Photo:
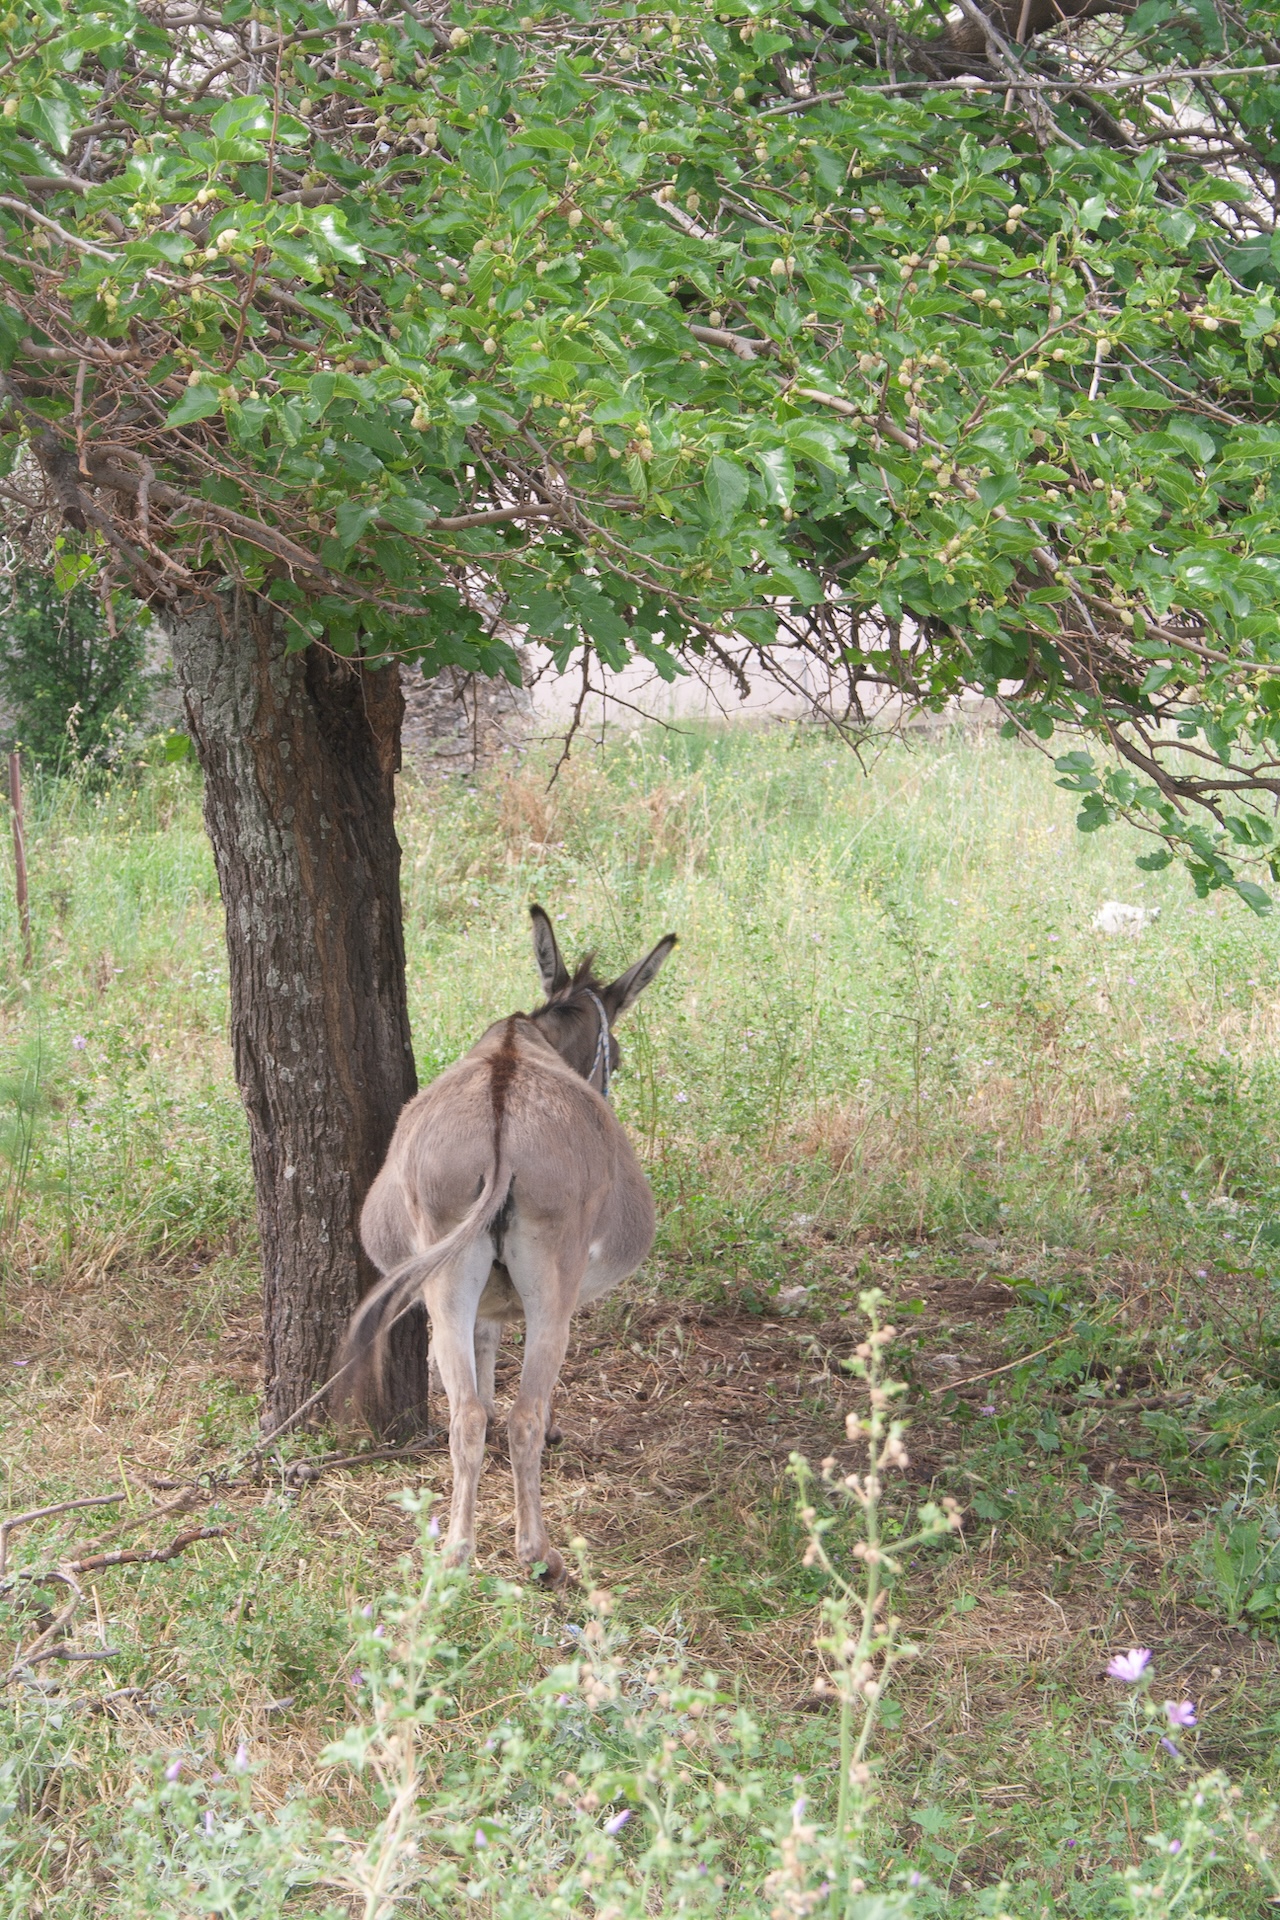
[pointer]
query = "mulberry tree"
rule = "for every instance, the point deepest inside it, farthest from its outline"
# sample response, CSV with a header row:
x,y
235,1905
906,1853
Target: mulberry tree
x,y
920,351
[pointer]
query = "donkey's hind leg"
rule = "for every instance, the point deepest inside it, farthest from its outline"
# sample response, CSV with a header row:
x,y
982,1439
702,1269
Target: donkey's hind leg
x,y
452,1298
547,1311
488,1338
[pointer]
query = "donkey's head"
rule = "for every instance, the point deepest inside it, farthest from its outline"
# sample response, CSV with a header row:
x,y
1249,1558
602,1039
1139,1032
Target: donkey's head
x,y
580,1011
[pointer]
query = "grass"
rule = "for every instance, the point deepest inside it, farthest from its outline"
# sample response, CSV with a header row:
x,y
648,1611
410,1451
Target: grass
x,y
889,1050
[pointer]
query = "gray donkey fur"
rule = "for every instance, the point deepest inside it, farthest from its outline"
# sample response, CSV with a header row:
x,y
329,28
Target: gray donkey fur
x,y
509,1191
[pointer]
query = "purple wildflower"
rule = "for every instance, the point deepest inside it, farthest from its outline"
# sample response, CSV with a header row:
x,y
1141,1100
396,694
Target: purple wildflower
x,y
79,1043
482,1839
1180,1713
172,1771
208,1819
915,1879
617,1821
1169,1747
241,1762
357,1677
1175,1846
989,1408
366,1612
1129,1667
433,1528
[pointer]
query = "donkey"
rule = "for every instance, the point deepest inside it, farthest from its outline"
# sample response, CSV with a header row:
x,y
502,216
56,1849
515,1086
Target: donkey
x,y
509,1192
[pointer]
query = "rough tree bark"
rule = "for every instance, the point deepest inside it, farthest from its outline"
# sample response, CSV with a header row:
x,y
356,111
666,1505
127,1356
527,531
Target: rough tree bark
x,y
963,46
299,753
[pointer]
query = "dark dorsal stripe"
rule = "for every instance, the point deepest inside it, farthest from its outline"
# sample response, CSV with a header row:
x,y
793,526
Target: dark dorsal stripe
x,y
501,1074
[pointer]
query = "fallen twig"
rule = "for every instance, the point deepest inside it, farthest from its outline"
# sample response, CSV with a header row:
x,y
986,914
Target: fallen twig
x,y
61,1652
146,1556
101,1702
186,1499
44,1513
954,1386
300,1472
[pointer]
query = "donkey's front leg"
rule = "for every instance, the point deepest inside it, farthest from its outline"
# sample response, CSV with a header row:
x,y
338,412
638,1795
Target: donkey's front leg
x,y
545,1338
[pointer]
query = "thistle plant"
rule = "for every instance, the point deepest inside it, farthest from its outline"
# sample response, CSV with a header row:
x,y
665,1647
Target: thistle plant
x,y
1174,1880
1140,1714
861,1637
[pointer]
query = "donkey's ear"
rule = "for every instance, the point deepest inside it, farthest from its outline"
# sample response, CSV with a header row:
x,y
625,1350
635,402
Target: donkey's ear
x,y
555,974
628,986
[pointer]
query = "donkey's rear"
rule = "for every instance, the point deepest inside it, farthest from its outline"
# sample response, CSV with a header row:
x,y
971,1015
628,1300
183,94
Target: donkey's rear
x,y
510,1191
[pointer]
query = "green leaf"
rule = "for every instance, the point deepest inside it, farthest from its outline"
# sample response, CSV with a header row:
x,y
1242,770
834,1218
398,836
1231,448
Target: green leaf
x,y
407,516
1149,399
329,227
1254,896
726,486
251,113
1093,814
50,119
629,289
777,470
351,519
1191,438
69,569
1000,487
197,403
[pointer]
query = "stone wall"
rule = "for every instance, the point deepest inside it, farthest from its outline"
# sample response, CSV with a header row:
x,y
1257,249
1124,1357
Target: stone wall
x,y
458,723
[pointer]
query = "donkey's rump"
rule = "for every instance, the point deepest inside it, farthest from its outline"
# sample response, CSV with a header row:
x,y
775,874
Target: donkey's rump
x,y
559,1147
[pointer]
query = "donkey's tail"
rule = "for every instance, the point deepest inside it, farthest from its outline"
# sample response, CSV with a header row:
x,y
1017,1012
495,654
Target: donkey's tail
x,y
363,1361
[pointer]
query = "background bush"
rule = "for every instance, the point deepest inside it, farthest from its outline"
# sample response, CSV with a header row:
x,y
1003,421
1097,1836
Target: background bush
x,y
71,685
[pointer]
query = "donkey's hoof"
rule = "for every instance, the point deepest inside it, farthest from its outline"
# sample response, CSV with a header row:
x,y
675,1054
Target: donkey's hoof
x,y
554,1436
459,1554
554,1571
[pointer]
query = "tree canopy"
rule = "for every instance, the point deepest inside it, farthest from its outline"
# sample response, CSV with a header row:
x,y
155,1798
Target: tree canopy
x,y
940,349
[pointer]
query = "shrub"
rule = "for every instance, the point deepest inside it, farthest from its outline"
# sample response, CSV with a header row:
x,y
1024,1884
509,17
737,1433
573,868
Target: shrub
x,y
72,680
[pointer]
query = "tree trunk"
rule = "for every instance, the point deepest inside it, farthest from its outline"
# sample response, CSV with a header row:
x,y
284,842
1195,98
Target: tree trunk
x,y
300,753
1018,21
